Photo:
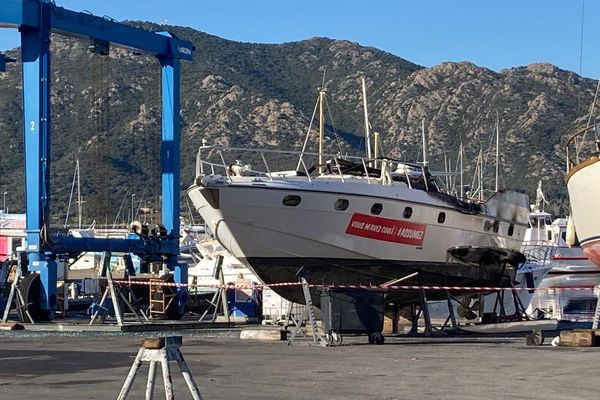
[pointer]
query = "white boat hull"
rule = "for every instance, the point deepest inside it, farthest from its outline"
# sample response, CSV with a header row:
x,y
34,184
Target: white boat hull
x,y
584,192
353,246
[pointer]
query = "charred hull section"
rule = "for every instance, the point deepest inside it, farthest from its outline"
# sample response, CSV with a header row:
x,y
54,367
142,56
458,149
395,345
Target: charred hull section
x,y
377,272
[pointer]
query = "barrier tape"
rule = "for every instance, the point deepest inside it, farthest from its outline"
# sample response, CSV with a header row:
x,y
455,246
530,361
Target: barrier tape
x,y
259,286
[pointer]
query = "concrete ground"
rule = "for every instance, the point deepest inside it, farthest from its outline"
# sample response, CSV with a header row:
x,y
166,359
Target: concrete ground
x,y
94,367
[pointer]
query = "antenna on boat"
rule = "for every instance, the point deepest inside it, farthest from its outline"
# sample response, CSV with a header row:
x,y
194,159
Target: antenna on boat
x,y
312,118
425,160
367,135
321,128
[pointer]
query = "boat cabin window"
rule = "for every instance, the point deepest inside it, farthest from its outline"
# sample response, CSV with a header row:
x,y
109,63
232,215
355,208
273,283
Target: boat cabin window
x,y
407,212
540,222
441,217
341,204
563,236
511,229
549,235
291,200
496,226
376,208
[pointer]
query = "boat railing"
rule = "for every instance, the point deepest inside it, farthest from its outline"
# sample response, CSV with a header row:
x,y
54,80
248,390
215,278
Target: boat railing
x,y
575,145
537,252
227,161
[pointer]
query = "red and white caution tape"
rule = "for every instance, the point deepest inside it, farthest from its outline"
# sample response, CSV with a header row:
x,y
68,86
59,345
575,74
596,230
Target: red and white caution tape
x,y
343,286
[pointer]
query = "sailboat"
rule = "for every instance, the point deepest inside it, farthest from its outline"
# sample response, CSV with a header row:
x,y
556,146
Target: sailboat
x,y
354,220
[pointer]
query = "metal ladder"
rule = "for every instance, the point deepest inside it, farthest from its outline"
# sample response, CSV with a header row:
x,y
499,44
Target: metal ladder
x,y
308,314
597,312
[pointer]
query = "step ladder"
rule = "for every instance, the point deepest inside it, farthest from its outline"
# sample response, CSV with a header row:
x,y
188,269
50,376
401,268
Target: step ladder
x,y
160,300
308,316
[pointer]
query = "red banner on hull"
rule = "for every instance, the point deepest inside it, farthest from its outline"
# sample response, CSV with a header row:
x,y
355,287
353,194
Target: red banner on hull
x,y
389,230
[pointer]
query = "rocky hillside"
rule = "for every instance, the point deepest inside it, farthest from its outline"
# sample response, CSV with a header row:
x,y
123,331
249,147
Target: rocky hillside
x,y
106,112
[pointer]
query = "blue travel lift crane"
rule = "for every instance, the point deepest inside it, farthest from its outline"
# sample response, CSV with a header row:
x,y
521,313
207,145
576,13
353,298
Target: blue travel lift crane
x,y
36,20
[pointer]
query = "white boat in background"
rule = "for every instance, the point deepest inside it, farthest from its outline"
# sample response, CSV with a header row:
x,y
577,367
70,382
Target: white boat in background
x,y
543,231
582,177
203,274
570,297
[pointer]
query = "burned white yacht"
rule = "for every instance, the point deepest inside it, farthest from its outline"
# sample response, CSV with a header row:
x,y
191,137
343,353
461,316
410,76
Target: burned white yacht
x,y
354,220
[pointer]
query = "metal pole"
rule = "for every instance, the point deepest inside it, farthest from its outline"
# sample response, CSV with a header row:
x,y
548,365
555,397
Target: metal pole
x,y
425,160
367,135
4,204
132,208
497,149
321,130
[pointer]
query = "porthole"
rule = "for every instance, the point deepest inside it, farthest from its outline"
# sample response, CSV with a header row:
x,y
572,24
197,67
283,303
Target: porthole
x,y
496,226
291,200
441,217
487,226
511,229
341,204
407,212
376,208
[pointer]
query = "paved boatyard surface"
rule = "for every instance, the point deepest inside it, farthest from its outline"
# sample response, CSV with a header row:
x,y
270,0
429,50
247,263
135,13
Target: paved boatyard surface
x,y
85,366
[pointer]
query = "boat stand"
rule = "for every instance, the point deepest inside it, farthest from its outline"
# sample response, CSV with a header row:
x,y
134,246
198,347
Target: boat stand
x,y
520,313
219,299
423,310
451,315
114,293
15,293
308,315
160,350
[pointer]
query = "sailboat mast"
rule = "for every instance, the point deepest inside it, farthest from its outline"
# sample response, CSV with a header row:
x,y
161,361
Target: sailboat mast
x,y
497,150
425,160
462,187
367,135
79,206
480,174
321,129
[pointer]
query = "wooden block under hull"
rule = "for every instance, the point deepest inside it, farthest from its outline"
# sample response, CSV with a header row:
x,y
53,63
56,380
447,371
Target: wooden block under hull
x,y
579,338
263,334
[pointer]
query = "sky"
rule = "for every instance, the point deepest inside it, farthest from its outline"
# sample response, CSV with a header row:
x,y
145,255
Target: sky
x,y
494,34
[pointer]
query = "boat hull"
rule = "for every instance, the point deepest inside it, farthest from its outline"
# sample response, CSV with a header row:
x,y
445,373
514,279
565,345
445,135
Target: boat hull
x,y
354,246
582,185
321,271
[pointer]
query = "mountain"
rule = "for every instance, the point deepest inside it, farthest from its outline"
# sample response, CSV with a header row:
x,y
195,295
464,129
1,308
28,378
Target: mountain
x,y
106,112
